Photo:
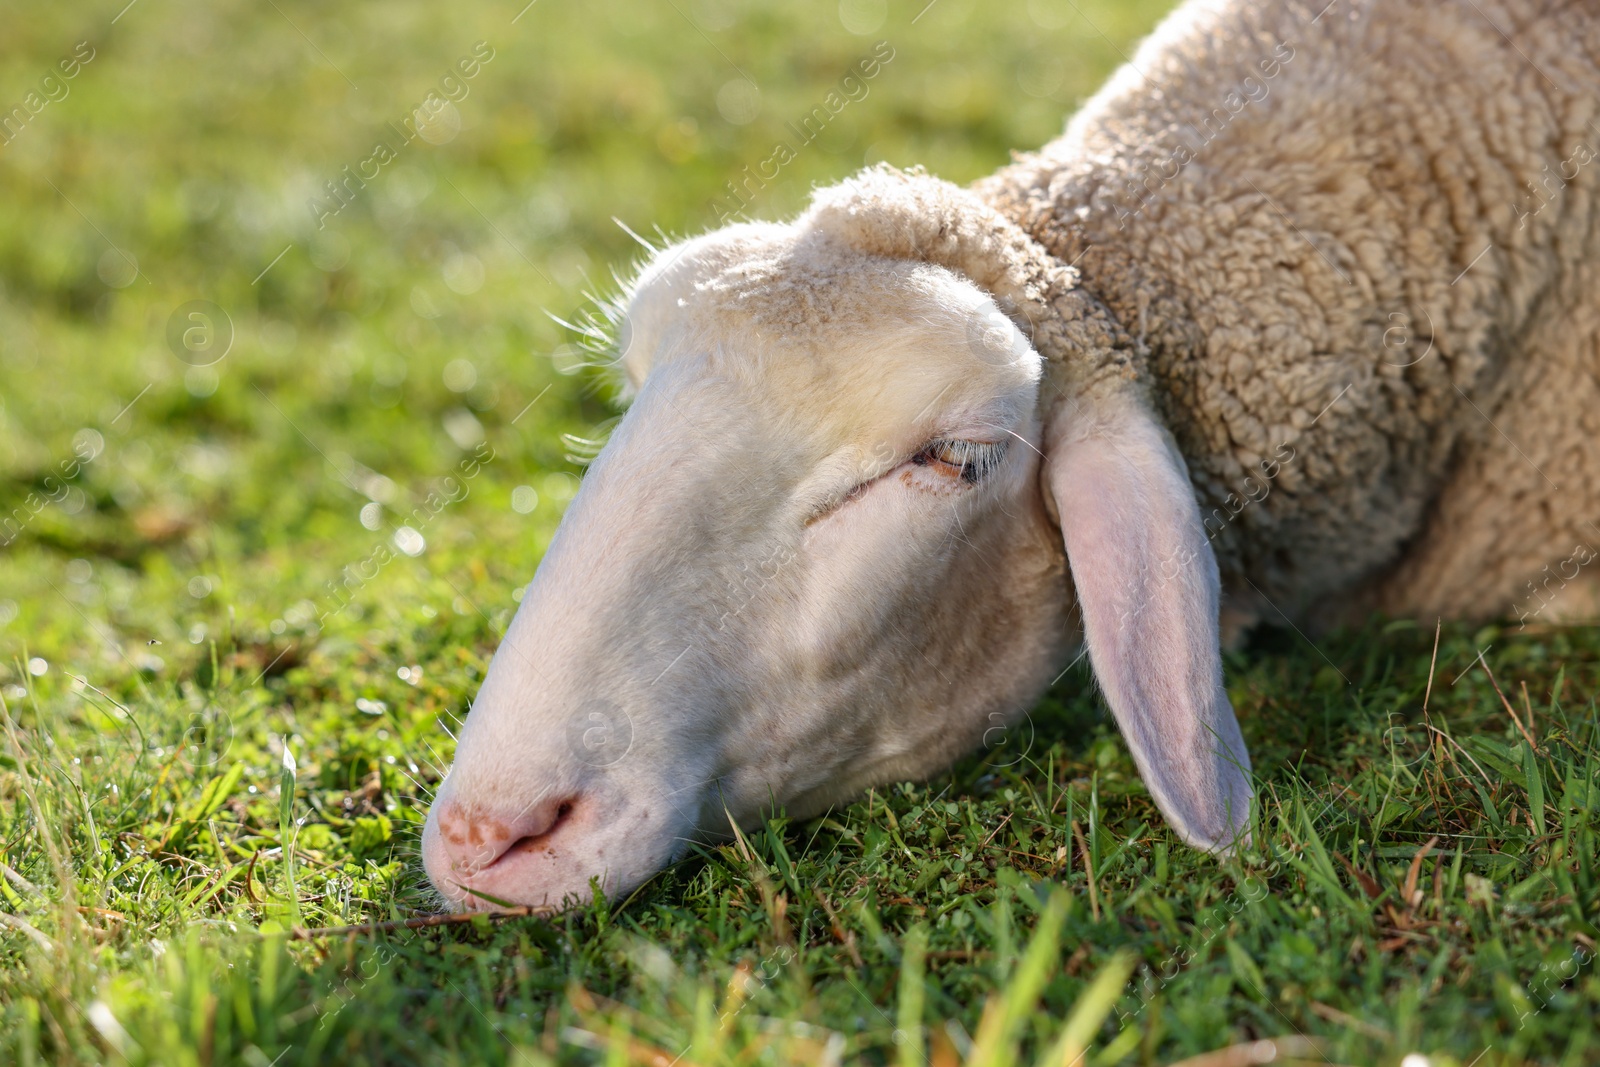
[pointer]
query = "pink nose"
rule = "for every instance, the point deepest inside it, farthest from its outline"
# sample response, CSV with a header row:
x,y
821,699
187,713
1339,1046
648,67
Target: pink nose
x,y
474,841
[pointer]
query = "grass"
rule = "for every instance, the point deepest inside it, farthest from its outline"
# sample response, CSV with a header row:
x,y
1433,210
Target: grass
x,y
223,719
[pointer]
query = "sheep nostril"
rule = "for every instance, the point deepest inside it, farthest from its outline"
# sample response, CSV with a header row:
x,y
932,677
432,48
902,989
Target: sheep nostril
x,y
540,841
472,839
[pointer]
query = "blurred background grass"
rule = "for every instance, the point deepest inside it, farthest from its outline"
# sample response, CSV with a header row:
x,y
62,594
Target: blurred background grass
x,y
204,590
183,164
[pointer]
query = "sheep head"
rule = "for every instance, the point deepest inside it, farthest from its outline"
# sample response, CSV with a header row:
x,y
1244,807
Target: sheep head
x,y
826,548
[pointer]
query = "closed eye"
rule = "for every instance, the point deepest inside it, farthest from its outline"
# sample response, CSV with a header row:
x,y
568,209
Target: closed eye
x,y
947,459
971,461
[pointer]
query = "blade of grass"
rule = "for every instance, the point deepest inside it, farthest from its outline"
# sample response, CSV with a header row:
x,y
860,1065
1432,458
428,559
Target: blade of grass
x,y
908,1032
1089,1012
1006,1011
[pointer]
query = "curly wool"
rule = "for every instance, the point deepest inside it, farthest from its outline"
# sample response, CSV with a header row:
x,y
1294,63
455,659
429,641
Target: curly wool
x,y
1375,339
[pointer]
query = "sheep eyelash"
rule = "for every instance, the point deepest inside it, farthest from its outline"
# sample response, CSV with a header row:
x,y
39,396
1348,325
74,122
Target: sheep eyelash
x,y
975,460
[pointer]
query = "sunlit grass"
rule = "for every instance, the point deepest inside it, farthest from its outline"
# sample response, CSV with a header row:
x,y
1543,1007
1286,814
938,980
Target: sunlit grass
x,y
198,606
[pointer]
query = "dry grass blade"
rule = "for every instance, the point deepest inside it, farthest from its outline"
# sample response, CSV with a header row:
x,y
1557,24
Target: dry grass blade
x,y
1369,885
1088,870
1507,704
1433,662
845,937
601,1035
301,933
1273,1050
27,928
1350,1022
1410,894
1481,772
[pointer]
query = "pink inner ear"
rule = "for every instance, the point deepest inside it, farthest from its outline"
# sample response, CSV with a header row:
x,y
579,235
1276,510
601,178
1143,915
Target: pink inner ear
x,y
1147,588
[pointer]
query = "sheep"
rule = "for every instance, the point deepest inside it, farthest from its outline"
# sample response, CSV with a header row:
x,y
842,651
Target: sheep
x,y
1296,322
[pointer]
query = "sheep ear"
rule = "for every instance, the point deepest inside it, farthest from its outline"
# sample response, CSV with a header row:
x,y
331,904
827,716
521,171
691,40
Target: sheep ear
x,y
1148,592
1146,579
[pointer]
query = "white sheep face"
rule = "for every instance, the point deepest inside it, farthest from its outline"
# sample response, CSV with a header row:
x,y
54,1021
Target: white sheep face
x,y
814,556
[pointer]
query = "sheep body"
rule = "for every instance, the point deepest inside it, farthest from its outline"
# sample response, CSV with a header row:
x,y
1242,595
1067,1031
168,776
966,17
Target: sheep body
x,y
1356,255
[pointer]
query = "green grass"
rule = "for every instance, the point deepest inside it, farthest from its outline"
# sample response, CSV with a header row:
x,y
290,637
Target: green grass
x,y
182,608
